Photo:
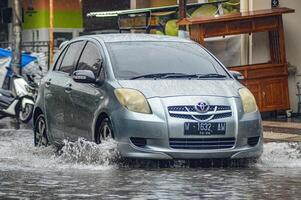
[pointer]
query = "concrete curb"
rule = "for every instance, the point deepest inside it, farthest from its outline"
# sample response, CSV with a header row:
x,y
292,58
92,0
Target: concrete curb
x,y
281,137
282,127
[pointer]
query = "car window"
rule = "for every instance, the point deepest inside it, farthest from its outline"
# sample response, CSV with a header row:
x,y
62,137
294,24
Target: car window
x,y
59,60
90,59
71,57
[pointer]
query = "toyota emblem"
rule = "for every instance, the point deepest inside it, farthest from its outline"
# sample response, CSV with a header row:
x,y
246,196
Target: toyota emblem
x,y
202,107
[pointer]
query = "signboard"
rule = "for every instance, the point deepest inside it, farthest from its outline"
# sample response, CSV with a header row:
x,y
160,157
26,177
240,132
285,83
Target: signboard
x,y
134,21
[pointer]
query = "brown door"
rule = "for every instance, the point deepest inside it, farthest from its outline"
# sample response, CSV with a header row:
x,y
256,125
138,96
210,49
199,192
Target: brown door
x,y
274,94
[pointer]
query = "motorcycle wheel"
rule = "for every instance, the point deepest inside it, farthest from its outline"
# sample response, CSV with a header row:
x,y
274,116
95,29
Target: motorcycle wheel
x,y
25,114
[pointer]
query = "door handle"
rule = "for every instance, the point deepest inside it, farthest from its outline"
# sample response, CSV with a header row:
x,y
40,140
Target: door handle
x,y
48,83
68,88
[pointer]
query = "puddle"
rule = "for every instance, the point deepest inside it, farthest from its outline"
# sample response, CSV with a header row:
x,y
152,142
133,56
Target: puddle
x,y
84,170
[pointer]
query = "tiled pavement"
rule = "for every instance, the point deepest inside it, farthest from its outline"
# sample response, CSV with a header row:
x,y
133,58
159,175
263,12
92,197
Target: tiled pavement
x,y
282,131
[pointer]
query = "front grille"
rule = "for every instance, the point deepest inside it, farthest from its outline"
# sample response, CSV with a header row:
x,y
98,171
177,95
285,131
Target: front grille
x,y
221,116
190,112
202,143
192,108
181,116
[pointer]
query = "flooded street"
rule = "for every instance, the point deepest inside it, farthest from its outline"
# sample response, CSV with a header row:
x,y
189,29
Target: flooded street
x,y
87,171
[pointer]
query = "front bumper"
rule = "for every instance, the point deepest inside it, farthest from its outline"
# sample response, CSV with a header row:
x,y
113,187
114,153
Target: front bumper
x,y
128,150
158,128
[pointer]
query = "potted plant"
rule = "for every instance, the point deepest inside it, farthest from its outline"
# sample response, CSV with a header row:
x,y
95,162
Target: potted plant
x,y
292,69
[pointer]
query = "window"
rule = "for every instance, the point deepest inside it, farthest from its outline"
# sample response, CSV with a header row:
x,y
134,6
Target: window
x,y
132,59
59,60
60,37
71,57
90,59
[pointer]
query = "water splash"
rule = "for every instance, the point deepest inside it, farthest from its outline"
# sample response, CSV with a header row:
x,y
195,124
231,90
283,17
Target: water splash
x,y
18,152
89,153
281,155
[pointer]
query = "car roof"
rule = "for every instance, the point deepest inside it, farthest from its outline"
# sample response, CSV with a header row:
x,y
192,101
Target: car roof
x,y
130,37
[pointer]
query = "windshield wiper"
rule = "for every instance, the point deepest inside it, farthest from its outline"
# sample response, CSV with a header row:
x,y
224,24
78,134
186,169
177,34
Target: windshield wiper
x,y
160,75
197,76
201,76
179,75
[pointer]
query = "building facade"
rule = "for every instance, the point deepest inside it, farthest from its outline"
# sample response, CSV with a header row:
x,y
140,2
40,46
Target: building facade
x,y
67,21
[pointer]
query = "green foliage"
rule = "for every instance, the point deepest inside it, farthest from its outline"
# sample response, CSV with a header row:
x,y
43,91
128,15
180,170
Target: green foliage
x,y
172,28
159,32
205,10
232,6
169,22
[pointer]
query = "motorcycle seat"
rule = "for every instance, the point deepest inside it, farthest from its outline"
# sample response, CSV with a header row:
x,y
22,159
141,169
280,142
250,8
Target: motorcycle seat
x,y
5,102
6,93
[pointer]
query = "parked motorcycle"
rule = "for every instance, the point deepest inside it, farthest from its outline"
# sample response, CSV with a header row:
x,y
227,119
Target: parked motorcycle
x,y
18,102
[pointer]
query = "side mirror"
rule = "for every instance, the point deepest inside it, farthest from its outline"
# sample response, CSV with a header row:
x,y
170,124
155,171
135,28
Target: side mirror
x,y
84,76
237,75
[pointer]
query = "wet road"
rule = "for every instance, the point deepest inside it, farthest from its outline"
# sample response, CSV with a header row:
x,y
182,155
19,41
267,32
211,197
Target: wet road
x,y
87,171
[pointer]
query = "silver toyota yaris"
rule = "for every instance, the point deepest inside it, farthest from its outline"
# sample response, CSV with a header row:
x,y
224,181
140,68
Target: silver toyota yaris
x,y
158,97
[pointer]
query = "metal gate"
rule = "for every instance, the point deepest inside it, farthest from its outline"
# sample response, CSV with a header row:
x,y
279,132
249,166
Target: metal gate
x,y
32,47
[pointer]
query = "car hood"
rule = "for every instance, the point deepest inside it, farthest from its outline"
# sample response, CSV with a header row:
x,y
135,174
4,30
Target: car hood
x,y
169,88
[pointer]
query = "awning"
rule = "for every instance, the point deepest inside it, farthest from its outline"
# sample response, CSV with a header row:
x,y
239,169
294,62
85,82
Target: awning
x,y
26,59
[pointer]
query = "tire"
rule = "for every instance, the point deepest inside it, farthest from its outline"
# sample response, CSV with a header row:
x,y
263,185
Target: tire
x,y
104,131
26,114
40,132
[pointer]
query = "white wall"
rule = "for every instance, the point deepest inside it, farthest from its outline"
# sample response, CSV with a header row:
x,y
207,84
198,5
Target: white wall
x,y
43,33
37,35
259,4
33,35
293,44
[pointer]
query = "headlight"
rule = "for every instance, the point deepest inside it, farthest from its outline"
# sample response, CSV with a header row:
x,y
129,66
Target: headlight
x,y
248,100
133,100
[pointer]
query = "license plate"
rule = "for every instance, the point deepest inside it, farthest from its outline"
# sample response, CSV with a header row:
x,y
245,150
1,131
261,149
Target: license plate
x,y
204,128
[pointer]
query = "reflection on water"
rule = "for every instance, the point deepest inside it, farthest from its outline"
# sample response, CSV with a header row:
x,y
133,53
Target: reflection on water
x,y
78,172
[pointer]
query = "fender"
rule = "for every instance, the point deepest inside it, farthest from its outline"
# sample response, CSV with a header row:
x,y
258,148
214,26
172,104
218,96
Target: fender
x,y
27,101
11,110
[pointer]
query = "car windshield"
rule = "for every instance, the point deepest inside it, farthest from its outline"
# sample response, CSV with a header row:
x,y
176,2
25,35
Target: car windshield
x,y
158,60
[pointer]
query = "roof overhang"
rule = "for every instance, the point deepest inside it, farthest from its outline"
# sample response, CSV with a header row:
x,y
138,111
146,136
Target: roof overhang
x,y
151,10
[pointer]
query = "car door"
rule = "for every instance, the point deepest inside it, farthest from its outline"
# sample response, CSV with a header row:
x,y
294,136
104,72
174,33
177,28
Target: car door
x,y
85,98
56,88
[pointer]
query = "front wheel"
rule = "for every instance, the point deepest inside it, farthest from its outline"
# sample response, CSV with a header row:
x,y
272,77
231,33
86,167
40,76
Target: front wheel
x,y
25,113
104,132
40,132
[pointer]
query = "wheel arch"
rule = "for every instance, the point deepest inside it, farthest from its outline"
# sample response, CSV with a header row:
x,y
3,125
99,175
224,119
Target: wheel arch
x,y
37,111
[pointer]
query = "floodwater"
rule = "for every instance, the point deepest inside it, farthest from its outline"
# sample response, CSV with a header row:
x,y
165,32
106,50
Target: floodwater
x,y
83,170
